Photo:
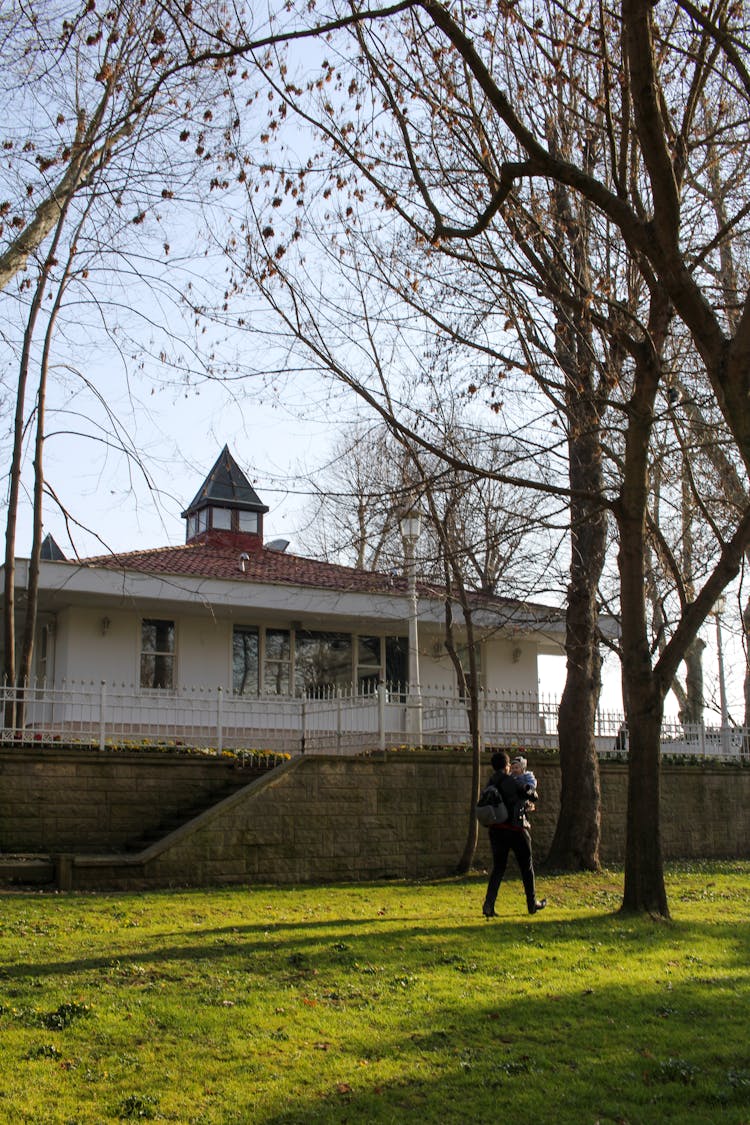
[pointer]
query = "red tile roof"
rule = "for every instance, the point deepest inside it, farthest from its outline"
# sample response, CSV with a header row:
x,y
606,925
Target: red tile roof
x,y
218,555
212,559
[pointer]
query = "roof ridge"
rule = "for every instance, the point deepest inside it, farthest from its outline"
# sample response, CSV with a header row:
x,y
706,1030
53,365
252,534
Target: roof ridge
x,y
230,551
138,551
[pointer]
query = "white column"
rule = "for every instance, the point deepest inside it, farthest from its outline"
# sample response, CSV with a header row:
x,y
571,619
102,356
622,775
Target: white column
x,y
410,525
718,609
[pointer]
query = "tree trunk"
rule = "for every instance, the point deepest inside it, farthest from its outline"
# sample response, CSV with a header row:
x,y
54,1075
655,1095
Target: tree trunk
x,y
692,711
472,835
644,872
746,683
643,690
575,845
643,696
32,590
469,688
9,608
32,593
9,596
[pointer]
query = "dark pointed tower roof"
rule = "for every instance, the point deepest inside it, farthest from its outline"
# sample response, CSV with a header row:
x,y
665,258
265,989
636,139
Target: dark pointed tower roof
x,y
50,551
226,486
226,510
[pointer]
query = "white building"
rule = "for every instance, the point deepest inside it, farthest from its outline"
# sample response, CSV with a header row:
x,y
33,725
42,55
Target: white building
x,y
226,610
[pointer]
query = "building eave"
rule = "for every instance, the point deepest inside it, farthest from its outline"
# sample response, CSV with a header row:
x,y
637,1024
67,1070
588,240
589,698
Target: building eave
x,y
69,583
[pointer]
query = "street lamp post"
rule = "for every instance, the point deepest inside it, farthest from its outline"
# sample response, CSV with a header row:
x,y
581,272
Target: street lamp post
x,y
718,610
410,527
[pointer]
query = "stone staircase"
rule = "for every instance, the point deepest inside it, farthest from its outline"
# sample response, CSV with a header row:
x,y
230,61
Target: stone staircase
x,y
50,872
181,817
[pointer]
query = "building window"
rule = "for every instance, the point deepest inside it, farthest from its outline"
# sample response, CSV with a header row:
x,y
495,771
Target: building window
x,y
157,653
248,521
396,662
43,653
369,664
221,519
245,661
277,662
322,661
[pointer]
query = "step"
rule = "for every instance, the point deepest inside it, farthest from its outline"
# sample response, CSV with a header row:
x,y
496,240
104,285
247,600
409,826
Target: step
x,y
22,870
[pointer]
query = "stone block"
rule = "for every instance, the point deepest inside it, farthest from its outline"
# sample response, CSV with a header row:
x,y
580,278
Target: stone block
x,y
310,832
265,832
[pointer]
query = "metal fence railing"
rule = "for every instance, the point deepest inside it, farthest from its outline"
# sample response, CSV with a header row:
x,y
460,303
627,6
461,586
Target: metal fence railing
x,y
332,721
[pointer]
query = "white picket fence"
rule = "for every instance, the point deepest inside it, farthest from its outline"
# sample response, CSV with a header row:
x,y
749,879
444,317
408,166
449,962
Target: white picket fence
x,y
342,722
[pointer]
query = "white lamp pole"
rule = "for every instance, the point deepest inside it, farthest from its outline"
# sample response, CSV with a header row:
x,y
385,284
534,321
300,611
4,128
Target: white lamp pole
x,y
410,527
718,610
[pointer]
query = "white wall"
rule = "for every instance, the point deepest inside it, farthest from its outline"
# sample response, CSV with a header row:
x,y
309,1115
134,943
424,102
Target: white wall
x,y
435,672
86,650
204,653
510,665
500,671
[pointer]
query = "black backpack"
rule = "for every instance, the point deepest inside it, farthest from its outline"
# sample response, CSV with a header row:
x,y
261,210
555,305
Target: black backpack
x,y
491,808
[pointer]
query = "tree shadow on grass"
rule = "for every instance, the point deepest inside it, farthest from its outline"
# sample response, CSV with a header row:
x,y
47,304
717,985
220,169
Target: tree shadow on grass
x,y
601,1055
452,1019
322,943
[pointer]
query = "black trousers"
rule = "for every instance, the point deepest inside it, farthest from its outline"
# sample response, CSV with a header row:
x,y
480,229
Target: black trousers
x,y
503,841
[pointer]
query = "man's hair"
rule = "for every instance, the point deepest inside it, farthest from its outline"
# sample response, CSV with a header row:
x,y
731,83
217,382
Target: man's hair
x,y
499,760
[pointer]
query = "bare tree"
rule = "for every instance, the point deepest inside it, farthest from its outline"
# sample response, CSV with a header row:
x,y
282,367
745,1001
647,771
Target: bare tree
x,y
640,167
360,494
95,154
478,537
497,535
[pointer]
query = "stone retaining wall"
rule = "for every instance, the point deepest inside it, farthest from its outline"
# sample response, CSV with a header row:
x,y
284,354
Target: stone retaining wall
x,y
347,819
89,801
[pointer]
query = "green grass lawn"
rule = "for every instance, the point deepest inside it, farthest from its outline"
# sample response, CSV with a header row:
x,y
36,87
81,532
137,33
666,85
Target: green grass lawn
x,y
388,1002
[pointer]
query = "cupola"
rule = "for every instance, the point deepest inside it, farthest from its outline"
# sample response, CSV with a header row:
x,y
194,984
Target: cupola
x,y
226,507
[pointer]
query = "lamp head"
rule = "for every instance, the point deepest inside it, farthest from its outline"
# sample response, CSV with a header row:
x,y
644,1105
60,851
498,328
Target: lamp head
x,y
411,525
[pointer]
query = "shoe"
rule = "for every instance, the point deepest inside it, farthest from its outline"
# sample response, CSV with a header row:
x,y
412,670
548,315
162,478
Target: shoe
x,y
488,911
537,906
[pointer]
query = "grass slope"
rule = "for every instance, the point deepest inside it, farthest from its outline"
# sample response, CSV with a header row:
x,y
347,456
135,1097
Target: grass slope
x,y
378,1003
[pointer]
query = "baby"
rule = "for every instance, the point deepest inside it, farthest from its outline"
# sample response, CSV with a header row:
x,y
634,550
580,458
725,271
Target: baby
x,y
518,769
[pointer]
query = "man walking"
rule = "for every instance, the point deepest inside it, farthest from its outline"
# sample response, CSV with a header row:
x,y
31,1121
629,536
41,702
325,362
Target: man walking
x,y
512,835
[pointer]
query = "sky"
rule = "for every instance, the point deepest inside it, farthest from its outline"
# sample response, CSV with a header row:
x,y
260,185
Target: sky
x,y
180,441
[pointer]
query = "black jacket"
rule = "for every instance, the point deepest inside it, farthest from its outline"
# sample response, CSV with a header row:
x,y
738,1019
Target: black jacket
x,y
515,796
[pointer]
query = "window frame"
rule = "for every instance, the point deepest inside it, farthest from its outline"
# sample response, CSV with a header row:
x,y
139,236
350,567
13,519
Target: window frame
x,y
168,654
250,630
323,637
277,662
